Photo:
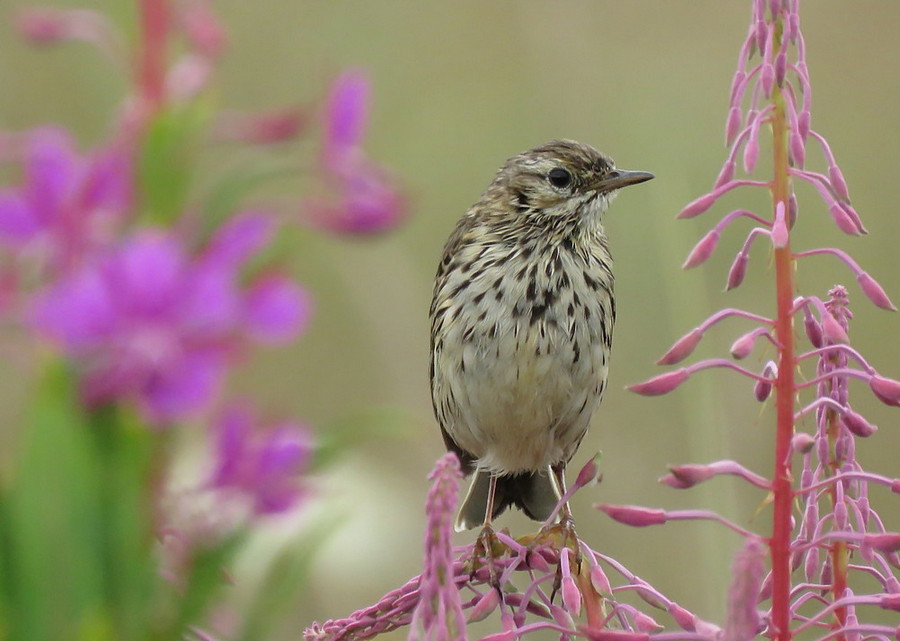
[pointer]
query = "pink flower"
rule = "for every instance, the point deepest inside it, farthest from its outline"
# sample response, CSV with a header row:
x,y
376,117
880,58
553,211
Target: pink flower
x,y
264,464
68,204
361,197
150,323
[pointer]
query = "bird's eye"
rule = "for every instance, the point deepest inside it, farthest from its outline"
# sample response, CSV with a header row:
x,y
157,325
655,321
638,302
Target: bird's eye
x,y
559,178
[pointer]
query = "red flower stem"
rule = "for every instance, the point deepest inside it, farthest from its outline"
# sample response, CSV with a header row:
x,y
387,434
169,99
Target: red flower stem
x,y
151,64
785,385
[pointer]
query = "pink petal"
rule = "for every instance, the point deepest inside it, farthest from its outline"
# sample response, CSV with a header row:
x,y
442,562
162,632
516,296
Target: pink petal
x,y
147,272
179,390
17,222
346,113
242,236
276,309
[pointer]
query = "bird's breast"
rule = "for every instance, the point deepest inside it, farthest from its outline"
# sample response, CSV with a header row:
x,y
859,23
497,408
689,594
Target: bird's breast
x,y
522,339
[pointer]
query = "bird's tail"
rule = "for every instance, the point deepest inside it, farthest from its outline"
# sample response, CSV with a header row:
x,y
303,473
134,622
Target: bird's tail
x,y
535,493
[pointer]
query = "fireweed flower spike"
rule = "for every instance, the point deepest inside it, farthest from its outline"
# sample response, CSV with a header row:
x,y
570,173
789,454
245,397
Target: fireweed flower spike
x,y
838,520
453,591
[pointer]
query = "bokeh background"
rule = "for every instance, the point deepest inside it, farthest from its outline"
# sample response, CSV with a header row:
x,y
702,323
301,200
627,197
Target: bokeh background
x,y
459,87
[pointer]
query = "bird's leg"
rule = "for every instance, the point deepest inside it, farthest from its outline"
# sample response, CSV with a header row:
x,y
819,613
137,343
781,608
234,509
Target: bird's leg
x,y
484,544
564,529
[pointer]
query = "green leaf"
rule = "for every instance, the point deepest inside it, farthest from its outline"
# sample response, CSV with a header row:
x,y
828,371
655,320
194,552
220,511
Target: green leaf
x,y
130,457
165,162
51,583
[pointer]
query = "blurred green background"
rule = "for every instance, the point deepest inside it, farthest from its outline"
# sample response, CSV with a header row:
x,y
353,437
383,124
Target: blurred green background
x,y
459,87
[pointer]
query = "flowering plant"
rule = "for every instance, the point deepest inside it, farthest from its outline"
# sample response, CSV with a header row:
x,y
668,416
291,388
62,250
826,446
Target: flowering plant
x,y
828,562
129,297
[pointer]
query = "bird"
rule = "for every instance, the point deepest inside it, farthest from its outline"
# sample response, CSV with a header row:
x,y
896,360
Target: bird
x,y
522,317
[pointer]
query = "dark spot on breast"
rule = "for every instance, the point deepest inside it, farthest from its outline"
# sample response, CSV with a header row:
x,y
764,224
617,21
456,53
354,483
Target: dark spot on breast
x,y
478,298
531,292
537,312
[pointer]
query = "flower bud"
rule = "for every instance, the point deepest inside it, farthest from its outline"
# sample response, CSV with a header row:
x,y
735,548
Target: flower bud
x,y
633,515
698,206
702,250
738,270
874,292
682,348
858,425
662,384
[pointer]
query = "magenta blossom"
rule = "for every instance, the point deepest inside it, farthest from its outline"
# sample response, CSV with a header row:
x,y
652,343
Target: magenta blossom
x,y
68,204
262,464
362,197
149,322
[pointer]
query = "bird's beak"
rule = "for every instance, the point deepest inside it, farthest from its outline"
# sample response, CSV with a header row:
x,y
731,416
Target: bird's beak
x,y
619,178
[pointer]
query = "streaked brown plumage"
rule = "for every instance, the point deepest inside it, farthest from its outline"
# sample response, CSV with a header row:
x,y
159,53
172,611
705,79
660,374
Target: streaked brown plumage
x,y
521,326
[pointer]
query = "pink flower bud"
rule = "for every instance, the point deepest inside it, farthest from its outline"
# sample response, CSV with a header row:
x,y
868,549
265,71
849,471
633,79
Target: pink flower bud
x,y
802,443
633,515
762,389
813,331
792,210
890,602
780,67
836,176
742,347
485,606
767,78
690,474
683,618
839,513
600,581
779,234
645,623
842,219
589,473
698,206
725,174
797,147
662,384
803,119
887,390
682,348
885,542
751,150
571,596
811,565
702,250
833,332
732,125
738,270
874,292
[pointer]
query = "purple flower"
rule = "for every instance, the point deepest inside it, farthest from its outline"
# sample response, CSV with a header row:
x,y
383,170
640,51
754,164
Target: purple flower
x,y
361,196
68,204
149,322
263,464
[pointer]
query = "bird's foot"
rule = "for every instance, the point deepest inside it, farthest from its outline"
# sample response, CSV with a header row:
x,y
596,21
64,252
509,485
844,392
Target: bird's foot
x,y
484,554
558,537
